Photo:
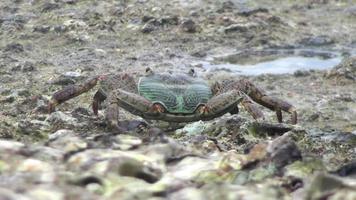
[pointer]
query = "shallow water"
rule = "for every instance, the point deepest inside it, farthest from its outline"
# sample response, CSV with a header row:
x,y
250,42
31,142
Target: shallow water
x,y
273,62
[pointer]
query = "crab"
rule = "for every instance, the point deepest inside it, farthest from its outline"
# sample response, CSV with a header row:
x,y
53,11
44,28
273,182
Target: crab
x,y
173,97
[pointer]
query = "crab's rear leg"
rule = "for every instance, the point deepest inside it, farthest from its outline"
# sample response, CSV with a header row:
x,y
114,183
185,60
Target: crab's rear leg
x,y
131,102
273,103
70,92
98,98
251,107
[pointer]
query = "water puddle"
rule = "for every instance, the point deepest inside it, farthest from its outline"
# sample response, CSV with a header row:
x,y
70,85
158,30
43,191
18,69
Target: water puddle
x,y
258,62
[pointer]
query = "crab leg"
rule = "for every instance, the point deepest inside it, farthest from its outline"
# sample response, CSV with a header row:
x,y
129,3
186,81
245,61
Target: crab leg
x,y
99,97
273,103
131,102
252,108
70,92
222,102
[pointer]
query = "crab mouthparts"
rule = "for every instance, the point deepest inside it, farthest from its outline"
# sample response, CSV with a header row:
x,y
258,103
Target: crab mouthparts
x,y
157,108
203,109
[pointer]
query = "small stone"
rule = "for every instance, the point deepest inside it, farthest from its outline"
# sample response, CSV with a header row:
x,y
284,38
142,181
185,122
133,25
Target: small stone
x,y
301,73
46,193
236,28
60,117
72,74
148,28
14,48
8,99
188,26
199,54
7,194
7,146
33,165
60,28
191,129
75,24
147,18
67,141
283,150
24,67
169,20
41,29
46,7
317,40
248,12
70,1
23,92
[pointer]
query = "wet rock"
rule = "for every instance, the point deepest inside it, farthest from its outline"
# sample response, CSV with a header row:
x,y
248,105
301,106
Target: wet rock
x,y
148,27
67,141
7,99
345,71
75,24
301,73
227,6
78,36
7,194
304,168
59,117
33,128
62,80
24,67
14,48
266,129
45,153
196,128
114,141
80,112
189,194
199,54
239,28
122,163
317,41
10,147
70,1
23,92
169,20
189,26
46,193
325,186
347,170
147,18
48,6
59,28
42,29
246,12
351,10
283,151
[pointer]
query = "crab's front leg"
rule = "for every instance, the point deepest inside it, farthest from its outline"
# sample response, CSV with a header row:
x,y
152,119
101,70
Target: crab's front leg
x,y
131,102
258,95
70,92
221,104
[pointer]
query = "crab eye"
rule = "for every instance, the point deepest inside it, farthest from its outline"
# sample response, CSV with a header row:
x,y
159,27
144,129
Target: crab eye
x,y
192,72
149,71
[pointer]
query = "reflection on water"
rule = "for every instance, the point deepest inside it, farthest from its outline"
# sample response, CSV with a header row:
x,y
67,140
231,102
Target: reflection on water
x,y
280,63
